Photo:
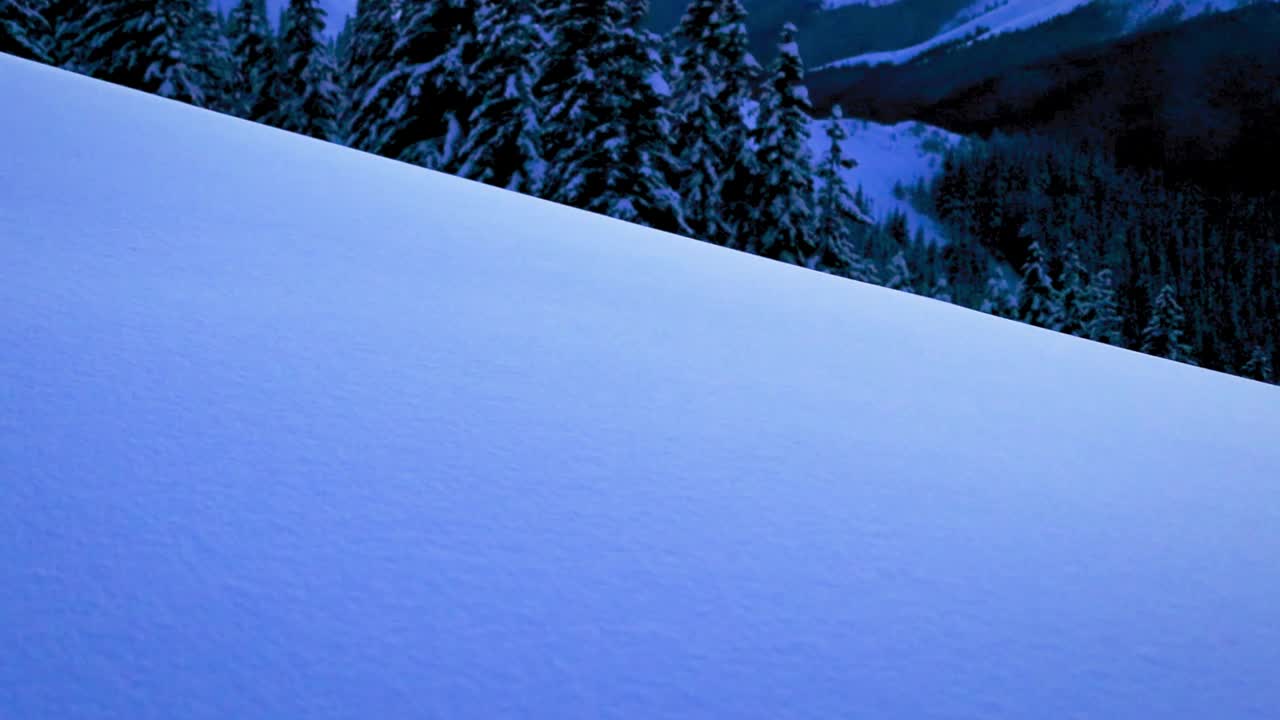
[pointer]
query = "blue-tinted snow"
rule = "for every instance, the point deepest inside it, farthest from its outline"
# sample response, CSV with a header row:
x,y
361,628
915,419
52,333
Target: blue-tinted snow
x,y
421,448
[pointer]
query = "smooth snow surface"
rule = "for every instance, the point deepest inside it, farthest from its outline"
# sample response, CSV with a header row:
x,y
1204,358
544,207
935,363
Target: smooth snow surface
x,y
420,448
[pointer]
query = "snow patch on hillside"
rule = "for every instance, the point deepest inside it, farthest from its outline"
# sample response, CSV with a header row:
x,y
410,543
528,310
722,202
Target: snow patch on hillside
x,y
890,155
983,21
834,4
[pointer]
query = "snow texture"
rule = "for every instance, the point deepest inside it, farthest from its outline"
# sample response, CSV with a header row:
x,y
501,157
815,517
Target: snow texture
x,y
425,448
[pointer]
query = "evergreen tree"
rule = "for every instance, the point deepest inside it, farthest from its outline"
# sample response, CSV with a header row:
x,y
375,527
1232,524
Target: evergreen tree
x,y
416,108
835,206
1163,333
438,45
716,73
783,228
214,60
150,45
941,289
253,52
899,275
67,26
1070,300
366,63
504,143
1102,313
309,97
998,299
608,125
24,31
1036,294
1258,366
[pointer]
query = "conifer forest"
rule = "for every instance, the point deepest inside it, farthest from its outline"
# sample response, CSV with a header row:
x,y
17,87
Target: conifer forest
x,y
691,130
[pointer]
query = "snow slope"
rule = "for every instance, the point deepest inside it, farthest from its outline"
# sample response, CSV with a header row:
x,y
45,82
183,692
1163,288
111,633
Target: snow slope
x,y
425,448
889,155
985,19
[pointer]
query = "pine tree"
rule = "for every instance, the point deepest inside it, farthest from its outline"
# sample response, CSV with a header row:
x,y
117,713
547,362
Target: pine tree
x,y
67,27
1036,294
371,37
255,59
1163,334
783,228
1258,366
24,31
1102,313
367,61
899,275
309,97
608,126
416,107
150,45
214,61
716,73
998,299
941,289
835,206
1070,300
504,143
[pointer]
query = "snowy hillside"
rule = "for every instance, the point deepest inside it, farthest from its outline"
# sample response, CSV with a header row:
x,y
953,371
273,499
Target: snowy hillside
x,y
890,155
986,19
423,448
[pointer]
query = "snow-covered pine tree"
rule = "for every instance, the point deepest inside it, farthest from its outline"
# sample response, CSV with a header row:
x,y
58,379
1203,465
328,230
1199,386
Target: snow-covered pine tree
x,y
1070,299
998,299
783,228
213,59
1258,366
899,275
416,108
941,289
716,74
1036,294
255,61
1162,335
309,97
1102,310
66,19
24,31
608,123
368,60
836,209
150,45
503,146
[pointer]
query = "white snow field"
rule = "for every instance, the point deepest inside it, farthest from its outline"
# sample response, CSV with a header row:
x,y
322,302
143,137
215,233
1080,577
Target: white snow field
x,y
289,431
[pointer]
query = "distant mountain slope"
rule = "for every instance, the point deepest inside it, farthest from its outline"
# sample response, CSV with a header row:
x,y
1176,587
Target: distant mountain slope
x,y
1196,97
1198,100
830,33
892,92
987,19
425,448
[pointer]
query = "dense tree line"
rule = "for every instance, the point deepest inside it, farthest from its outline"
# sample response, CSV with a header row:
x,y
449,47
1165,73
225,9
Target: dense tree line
x,y
578,102
1123,256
